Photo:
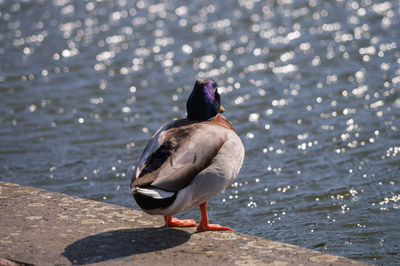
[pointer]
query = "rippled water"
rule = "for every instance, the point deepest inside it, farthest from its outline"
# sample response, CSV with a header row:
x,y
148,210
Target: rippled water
x,y
312,87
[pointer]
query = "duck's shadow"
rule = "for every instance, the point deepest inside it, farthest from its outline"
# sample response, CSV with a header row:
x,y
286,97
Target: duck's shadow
x,y
122,243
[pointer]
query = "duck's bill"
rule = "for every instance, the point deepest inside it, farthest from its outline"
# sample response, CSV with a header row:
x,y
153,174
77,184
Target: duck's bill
x,y
221,109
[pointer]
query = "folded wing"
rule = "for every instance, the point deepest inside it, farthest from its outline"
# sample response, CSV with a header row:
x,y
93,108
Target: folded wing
x,y
183,152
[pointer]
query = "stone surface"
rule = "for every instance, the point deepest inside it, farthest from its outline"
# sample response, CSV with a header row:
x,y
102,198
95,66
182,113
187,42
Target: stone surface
x,y
45,228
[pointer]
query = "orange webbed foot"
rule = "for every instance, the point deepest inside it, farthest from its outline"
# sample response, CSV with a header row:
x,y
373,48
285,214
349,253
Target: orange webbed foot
x,y
174,222
205,226
213,227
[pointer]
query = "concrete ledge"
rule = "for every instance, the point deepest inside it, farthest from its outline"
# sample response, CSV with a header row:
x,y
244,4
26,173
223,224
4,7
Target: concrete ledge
x,y
44,228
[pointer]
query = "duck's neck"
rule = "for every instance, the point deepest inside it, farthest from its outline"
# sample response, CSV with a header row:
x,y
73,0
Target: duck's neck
x,y
222,121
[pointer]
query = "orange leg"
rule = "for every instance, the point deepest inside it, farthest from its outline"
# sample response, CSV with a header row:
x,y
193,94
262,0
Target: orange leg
x,y
173,222
205,226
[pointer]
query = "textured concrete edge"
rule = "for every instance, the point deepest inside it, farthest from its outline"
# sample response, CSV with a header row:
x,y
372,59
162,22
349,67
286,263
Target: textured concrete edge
x,y
47,228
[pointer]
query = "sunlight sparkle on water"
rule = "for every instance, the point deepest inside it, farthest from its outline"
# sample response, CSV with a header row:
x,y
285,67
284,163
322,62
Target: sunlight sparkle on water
x,y
311,87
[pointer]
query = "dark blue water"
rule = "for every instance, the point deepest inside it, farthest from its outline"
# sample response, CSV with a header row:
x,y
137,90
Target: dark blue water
x,y
312,87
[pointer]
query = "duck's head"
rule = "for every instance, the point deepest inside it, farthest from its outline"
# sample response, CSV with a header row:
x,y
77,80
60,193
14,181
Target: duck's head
x,y
204,102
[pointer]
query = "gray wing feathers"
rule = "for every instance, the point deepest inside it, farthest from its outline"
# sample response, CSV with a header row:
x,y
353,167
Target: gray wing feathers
x,y
190,154
152,146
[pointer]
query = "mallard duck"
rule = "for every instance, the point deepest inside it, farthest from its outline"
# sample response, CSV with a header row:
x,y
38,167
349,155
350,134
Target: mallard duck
x,y
189,161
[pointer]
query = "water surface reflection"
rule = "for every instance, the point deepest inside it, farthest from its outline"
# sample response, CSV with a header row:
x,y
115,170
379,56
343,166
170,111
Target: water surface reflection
x,y
312,87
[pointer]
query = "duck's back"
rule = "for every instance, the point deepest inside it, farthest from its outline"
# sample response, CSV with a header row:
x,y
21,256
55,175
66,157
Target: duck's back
x,y
183,148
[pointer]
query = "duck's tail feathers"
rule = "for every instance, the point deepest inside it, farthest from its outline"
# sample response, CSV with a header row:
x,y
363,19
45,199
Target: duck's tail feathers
x,y
152,192
153,198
